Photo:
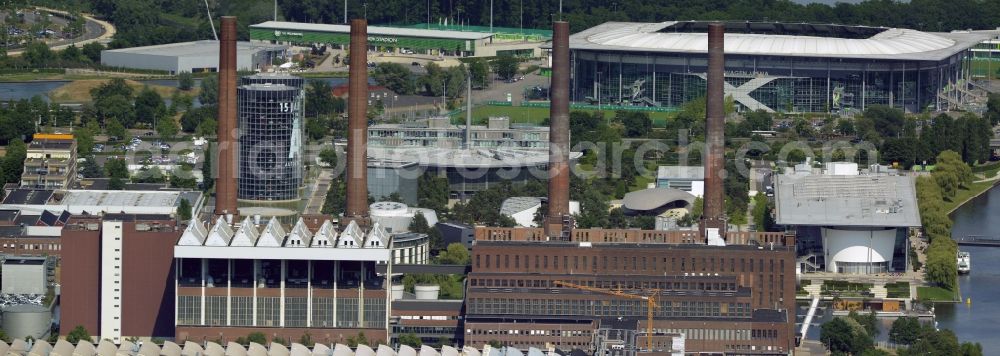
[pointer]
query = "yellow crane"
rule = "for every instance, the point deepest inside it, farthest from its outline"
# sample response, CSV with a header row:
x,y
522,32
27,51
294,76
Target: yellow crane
x,y
650,303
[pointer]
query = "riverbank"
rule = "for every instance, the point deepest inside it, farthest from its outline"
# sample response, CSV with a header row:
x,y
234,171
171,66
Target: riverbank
x,y
965,195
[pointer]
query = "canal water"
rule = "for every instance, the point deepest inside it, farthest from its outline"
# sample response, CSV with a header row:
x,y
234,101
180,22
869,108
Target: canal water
x,y
978,321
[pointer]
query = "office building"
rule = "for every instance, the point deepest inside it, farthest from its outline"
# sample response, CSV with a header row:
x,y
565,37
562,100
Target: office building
x,y
690,179
24,275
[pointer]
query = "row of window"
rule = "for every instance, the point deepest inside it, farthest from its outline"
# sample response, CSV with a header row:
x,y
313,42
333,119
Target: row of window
x,y
531,332
609,284
49,247
612,308
241,312
625,263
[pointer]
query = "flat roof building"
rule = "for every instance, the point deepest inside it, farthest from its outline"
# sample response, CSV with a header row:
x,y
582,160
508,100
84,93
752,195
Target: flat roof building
x,y
78,202
192,57
848,223
394,39
690,179
50,162
24,275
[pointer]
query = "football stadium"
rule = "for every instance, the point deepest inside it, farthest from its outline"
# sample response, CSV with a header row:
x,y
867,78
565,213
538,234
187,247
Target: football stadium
x,y
776,67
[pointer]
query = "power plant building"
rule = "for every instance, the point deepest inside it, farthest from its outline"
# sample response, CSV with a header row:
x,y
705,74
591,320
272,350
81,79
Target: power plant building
x,y
773,66
270,115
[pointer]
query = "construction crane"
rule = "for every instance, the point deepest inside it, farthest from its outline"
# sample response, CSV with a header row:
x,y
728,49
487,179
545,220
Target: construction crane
x,y
650,303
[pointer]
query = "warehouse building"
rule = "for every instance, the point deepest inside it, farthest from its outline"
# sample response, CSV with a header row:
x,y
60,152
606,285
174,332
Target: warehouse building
x,y
437,42
772,66
192,57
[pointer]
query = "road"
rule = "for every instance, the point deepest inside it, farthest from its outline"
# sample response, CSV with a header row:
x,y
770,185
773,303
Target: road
x,y
94,31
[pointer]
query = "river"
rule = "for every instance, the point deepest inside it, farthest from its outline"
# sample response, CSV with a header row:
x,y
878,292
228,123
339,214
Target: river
x,y
980,320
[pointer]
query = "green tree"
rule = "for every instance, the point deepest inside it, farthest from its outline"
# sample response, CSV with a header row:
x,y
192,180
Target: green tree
x,y
116,168
951,173
185,81
307,340
209,95
279,340
479,70
335,198
92,51
206,169
257,337
149,107
905,330
316,128
432,192
77,334
13,161
70,54
114,128
208,127
319,98
868,321
455,254
637,123
360,339
505,66
167,128
395,77
38,54
328,156
90,169
410,339
184,210
844,336
941,268
116,183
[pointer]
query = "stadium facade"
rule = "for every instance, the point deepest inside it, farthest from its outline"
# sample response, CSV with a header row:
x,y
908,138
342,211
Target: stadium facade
x,y
784,67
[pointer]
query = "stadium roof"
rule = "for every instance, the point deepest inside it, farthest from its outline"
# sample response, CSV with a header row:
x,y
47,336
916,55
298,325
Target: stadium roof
x,y
372,30
835,200
780,39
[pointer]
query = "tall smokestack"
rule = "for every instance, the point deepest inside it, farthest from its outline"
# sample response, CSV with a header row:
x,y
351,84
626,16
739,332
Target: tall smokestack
x,y
357,123
555,225
225,186
714,218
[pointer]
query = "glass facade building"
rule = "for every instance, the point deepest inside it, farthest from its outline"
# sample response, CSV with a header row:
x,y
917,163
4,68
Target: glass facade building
x,y
773,67
270,114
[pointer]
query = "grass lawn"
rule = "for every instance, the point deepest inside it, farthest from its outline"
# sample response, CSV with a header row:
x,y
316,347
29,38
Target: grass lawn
x,y
79,91
964,195
935,294
533,115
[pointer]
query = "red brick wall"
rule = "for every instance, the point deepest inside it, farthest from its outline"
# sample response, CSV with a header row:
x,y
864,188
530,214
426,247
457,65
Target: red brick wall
x,y
148,281
80,279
